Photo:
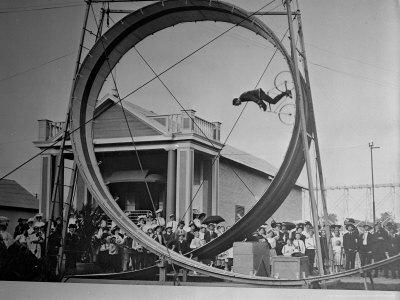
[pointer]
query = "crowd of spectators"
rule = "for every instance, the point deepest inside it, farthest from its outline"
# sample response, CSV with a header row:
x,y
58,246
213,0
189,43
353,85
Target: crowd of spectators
x,y
23,255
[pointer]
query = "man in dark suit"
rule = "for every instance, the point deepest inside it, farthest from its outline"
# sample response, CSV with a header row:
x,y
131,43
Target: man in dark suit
x,y
284,235
393,249
350,246
21,227
379,251
365,244
181,246
210,233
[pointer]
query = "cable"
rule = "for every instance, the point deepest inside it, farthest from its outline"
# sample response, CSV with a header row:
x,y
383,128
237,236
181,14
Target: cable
x,y
36,67
39,9
381,83
134,91
350,58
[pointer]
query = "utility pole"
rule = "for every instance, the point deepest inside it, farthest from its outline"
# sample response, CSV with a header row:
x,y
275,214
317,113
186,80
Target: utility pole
x,y
372,147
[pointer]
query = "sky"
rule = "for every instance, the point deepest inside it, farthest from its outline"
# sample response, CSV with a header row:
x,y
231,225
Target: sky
x,y
352,49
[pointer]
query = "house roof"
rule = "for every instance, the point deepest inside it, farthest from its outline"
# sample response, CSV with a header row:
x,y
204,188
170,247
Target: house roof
x,y
248,160
13,194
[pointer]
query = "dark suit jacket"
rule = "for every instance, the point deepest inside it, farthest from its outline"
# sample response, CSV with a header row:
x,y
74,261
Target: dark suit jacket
x,y
208,236
349,242
370,243
181,247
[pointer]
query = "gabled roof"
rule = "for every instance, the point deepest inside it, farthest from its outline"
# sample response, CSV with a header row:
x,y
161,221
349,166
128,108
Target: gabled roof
x,y
248,160
13,194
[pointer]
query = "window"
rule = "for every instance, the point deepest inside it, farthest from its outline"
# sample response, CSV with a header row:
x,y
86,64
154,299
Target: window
x,y
239,212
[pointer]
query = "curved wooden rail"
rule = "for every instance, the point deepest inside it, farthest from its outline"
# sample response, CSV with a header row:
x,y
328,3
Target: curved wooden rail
x,y
97,66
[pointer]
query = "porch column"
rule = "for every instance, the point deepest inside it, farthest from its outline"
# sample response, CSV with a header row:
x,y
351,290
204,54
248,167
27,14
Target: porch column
x,y
184,182
207,187
46,183
215,186
171,184
80,192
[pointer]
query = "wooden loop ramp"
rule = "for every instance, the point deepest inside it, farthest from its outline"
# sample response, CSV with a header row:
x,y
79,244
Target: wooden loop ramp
x,y
93,72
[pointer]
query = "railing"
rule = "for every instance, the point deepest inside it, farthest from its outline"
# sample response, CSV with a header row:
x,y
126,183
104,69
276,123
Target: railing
x,y
188,122
49,129
183,123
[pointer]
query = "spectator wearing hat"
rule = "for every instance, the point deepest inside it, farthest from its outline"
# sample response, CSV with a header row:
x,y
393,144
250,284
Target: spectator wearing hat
x,y
39,217
114,250
30,223
150,220
380,250
299,230
71,244
289,249
181,245
169,237
103,256
35,241
196,242
393,249
158,236
202,232
190,233
299,245
324,248
180,230
172,222
21,227
284,235
365,244
198,219
6,236
337,247
307,229
141,223
270,238
210,233
309,243
350,246
160,220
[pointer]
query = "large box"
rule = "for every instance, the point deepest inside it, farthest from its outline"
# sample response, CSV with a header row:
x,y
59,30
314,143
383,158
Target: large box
x,y
251,258
287,267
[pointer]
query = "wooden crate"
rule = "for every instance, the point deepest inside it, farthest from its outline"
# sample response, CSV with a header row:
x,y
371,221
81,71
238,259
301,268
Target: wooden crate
x,y
251,258
287,267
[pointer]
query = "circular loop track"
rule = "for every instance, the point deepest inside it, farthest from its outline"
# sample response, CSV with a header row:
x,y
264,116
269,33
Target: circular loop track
x,y
97,66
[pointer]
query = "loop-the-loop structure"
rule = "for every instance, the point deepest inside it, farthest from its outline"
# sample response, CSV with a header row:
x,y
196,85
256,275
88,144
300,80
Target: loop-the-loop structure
x,y
94,70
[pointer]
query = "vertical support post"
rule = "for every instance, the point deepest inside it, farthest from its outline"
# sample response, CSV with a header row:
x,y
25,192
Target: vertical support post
x,y
316,142
67,120
162,266
171,183
303,124
65,217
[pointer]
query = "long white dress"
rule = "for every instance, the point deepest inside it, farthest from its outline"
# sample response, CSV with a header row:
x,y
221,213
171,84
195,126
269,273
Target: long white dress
x,y
337,245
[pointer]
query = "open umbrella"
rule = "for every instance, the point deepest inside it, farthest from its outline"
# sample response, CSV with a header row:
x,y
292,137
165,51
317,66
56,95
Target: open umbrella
x,y
213,219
